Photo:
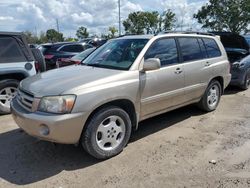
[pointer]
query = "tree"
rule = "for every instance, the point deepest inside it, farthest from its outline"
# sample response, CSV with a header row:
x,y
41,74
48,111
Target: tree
x,y
149,22
31,38
82,33
112,31
166,21
225,15
54,36
134,24
70,39
42,38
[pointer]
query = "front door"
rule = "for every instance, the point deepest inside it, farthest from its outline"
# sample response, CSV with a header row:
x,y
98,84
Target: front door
x,y
163,88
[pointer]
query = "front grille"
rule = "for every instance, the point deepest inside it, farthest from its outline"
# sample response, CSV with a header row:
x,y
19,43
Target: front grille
x,y
25,99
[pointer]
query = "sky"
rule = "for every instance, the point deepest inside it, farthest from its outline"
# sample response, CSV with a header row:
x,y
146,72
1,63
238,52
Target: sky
x,y
96,15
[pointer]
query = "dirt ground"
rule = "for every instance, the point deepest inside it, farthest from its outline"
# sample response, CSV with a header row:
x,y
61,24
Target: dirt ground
x,y
175,149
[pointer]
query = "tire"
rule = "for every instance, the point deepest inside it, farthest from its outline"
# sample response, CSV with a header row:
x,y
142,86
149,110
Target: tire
x,y
211,97
246,84
107,132
7,93
39,59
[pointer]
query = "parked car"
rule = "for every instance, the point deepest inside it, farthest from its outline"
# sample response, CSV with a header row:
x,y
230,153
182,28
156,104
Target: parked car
x,y
77,59
247,37
17,62
238,52
52,52
85,40
123,82
97,42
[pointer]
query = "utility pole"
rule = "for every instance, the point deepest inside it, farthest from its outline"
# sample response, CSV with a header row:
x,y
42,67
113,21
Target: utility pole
x,y
119,7
57,25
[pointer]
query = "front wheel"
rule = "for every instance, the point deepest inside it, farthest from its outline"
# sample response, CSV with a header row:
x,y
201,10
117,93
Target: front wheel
x,y
211,97
107,132
8,90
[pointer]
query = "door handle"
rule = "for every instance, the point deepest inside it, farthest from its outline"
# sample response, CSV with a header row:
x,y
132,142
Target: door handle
x,y
178,71
207,64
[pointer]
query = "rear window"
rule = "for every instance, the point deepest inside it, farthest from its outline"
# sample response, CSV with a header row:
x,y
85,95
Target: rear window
x,y
10,51
190,49
72,48
212,48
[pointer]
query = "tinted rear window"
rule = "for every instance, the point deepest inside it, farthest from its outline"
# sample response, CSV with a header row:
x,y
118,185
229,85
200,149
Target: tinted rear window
x,y
72,48
212,48
10,51
190,49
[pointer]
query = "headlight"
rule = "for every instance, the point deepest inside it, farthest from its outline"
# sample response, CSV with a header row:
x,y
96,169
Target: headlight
x,y
57,104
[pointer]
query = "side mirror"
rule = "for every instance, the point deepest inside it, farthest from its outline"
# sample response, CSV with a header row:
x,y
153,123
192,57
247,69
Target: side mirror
x,y
151,64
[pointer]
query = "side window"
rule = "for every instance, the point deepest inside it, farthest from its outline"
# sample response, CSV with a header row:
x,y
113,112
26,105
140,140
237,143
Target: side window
x,y
190,49
72,48
203,48
10,51
212,48
87,46
165,50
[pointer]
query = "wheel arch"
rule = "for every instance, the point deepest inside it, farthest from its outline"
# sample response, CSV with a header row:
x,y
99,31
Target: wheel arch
x,y
220,79
17,75
125,104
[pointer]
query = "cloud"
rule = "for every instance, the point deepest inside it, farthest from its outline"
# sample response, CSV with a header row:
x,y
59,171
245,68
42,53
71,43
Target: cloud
x,y
96,15
6,18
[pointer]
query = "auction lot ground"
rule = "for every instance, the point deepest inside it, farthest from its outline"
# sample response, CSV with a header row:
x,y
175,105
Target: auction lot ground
x,y
170,150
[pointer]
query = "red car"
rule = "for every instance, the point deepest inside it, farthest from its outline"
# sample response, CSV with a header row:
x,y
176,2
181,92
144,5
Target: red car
x,y
77,59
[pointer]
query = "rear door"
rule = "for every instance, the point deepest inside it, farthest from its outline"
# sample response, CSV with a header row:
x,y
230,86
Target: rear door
x,y
162,89
198,56
196,66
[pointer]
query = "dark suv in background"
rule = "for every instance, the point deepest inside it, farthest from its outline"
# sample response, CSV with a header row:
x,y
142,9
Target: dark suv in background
x,y
238,52
55,51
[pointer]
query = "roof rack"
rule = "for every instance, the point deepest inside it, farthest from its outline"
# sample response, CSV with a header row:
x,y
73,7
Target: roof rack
x,y
187,32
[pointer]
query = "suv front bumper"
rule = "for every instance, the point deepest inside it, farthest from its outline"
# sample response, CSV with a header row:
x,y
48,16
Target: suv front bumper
x,y
65,128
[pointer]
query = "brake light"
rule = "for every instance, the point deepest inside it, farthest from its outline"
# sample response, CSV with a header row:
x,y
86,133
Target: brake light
x,y
48,56
77,62
37,66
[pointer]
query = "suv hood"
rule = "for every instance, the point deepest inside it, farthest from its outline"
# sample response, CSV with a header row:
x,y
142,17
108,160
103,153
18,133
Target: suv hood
x,y
58,81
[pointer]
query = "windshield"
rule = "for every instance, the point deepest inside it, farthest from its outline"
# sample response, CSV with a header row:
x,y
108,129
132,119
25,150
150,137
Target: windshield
x,y
116,54
81,56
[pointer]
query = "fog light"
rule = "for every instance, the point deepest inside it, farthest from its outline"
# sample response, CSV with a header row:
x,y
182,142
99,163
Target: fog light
x,y
44,130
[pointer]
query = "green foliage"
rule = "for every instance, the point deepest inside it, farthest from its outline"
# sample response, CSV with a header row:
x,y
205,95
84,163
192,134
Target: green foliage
x,y
225,15
134,24
112,32
149,22
82,33
167,20
70,39
33,39
30,37
54,36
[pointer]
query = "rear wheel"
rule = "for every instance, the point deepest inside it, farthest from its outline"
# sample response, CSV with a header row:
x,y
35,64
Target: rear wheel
x,y
39,59
246,84
107,133
211,97
8,90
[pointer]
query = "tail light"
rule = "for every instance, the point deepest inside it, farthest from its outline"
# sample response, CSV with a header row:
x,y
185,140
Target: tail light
x,y
37,66
48,56
77,62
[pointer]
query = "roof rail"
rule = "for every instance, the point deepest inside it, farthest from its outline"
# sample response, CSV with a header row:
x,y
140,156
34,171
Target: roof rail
x,y
187,32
